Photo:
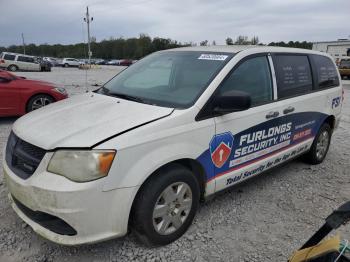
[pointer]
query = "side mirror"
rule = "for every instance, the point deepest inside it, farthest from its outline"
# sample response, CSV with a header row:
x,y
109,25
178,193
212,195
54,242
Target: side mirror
x,y
232,101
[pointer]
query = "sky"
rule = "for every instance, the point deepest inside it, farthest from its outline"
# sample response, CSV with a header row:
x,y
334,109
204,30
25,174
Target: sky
x,y
61,21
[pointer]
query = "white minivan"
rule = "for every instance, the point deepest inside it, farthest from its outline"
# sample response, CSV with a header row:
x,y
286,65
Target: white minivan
x,y
14,62
167,132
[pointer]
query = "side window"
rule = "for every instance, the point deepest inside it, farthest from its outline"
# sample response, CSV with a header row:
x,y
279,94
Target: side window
x,y
253,77
9,57
293,74
30,60
26,59
22,59
327,74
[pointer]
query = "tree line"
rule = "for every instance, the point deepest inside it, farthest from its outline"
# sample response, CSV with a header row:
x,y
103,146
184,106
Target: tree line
x,y
113,48
132,48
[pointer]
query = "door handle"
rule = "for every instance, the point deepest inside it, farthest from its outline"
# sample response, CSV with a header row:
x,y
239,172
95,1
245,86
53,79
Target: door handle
x,y
272,114
288,110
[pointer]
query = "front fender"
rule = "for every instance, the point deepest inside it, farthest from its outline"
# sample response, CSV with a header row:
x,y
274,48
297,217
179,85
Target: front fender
x,y
134,164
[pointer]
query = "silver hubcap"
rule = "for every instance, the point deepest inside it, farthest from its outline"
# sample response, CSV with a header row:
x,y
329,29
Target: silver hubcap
x,y
172,208
40,102
322,145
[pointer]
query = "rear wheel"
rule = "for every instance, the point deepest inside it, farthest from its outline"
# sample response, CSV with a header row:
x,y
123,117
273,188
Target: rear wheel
x,y
320,146
13,68
166,205
39,101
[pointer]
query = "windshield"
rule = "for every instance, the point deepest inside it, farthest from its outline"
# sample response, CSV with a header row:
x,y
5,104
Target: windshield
x,y
170,79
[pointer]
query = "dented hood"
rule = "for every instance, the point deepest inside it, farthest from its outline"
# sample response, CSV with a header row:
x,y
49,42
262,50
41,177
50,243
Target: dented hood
x,y
84,120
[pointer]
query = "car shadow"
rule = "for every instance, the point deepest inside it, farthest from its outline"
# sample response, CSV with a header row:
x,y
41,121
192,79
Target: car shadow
x,y
8,120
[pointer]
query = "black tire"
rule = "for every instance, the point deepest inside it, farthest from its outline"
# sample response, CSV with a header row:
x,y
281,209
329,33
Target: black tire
x,y
66,65
150,194
313,157
34,99
12,68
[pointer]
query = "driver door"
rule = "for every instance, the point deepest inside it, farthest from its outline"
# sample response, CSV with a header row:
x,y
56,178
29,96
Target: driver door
x,y
242,144
9,98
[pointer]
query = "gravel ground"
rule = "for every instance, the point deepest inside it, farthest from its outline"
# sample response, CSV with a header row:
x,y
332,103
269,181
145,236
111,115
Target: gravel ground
x,y
262,220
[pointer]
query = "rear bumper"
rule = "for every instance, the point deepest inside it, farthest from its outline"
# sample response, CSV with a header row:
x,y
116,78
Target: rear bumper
x,y
82,211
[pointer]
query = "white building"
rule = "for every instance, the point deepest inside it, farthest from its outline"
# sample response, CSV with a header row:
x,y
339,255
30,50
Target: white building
x,y
337,49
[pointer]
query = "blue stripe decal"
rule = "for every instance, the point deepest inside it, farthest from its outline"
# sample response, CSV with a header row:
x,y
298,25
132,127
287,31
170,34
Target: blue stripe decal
x,y
228,151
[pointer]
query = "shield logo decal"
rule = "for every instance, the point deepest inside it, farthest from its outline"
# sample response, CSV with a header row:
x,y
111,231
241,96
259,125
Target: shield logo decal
x,y
220,148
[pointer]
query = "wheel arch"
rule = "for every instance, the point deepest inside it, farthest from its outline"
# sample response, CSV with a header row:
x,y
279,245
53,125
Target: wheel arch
x,y
191,164
331,121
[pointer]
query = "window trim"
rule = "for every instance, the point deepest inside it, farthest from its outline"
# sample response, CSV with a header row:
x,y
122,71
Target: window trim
x,y
206,112
273,75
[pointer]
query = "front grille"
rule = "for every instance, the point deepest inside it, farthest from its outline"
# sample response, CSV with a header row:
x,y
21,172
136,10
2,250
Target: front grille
x,y
21,157
48,221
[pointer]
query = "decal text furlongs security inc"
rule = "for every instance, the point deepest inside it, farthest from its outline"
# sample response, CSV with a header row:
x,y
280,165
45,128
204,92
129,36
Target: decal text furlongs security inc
x,y
263,139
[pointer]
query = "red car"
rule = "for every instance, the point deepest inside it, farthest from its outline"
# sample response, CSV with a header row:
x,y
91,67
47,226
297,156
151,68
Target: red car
x,y
125,62
19,95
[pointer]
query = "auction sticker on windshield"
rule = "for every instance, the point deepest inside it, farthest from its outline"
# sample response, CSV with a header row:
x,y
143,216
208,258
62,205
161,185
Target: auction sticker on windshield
x,y
213,57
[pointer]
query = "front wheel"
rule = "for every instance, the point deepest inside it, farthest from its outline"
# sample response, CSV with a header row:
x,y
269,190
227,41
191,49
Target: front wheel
x,y
320,146
166,205
38,101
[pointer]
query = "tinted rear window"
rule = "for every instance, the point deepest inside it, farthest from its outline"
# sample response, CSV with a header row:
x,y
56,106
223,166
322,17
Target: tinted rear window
x,y
293,75
327,75
9,57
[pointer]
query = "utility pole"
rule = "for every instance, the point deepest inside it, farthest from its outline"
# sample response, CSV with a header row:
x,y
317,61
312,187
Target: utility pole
x,y
24,45
88,20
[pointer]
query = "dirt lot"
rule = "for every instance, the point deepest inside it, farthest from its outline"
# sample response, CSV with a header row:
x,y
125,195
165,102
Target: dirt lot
x,y
262,220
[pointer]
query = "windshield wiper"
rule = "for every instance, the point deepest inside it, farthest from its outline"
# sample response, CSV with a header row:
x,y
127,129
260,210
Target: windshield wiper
x,y
127,97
